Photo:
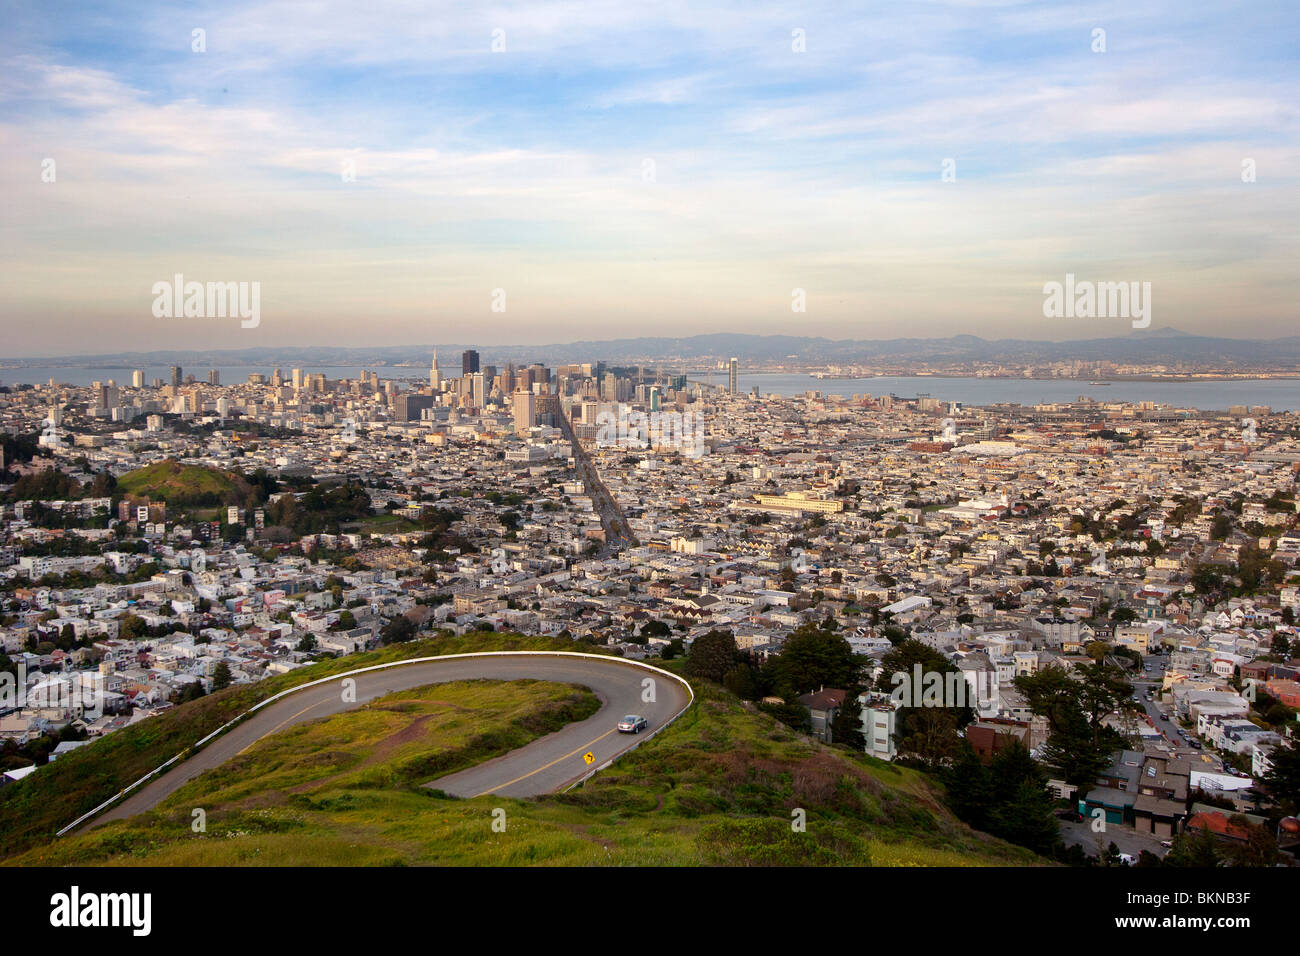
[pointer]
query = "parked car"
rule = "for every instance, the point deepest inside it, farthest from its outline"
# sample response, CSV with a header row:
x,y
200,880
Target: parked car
x,y
632,724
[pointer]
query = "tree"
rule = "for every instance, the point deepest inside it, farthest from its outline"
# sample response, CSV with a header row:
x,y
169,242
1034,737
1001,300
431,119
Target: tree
x,y
1283,778
970,788
220,676
399,629
924,731
712,655
846,728
1198,848
1080,744
812,657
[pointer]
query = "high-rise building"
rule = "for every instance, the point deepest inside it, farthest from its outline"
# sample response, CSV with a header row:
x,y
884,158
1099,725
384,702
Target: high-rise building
x,y
277,378
478,389
435,377
733,375
408,405
297,378
137,378
214,377
468,362
525,409
176,376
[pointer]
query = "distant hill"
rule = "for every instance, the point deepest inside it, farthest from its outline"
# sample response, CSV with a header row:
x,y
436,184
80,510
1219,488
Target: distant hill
x,y
178,484
1148,345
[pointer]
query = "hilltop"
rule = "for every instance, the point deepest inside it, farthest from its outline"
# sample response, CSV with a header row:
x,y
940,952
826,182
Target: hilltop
x,y
720,786
179,484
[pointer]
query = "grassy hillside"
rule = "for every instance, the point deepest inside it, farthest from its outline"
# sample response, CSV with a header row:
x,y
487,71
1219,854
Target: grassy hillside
x,y
32,810
179,484
720,786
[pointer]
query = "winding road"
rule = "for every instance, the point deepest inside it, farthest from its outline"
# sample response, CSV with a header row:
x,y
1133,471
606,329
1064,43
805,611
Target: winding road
x,y
547,764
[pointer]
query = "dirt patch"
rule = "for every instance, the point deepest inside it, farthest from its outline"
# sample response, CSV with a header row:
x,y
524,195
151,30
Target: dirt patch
x,y
408,734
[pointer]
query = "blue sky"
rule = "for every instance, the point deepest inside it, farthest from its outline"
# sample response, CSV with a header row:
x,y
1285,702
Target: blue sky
x,y
526,170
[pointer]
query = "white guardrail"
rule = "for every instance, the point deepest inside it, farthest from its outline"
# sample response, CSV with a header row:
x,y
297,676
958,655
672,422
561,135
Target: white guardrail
x,y
189,751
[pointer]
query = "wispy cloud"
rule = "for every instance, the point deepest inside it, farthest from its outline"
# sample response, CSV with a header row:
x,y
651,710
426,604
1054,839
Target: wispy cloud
x,y
676,168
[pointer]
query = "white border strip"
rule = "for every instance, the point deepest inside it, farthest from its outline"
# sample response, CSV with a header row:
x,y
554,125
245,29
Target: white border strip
x,y
187,752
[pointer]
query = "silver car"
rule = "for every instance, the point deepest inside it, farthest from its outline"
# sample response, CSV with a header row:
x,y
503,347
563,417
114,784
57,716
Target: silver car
x,y
632,724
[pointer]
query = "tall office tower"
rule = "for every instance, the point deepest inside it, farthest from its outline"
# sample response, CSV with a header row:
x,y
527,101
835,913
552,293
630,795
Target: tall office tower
x,y
296,378
525,411
137,378
609,387
408,405
478,390
176,376
157,383
654,398
214,377
435,377
540,375
277,378
733,373
99,394
468,362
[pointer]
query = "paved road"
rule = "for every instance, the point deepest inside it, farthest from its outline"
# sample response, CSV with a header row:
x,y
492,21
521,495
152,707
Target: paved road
x,y
618,533
545,765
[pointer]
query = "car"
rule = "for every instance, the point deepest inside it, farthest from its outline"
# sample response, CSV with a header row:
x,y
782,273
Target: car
x,y
1167,844
632,724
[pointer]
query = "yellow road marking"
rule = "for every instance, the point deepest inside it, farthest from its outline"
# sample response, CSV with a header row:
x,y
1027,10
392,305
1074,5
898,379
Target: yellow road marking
x,y
279,725
551,764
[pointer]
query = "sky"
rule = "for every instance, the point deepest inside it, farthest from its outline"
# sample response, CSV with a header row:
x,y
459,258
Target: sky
x,y
536,172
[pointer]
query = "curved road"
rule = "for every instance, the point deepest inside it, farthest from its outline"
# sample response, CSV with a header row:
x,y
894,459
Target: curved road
x,y
545,765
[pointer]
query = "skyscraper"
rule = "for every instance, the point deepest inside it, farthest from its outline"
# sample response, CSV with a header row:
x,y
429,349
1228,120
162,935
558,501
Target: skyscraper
x,y
525,409
435,377
468,362
137,378
176,376
733,373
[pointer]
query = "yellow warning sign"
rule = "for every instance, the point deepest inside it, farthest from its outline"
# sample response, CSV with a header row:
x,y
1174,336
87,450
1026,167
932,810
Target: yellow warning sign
x,y
589,757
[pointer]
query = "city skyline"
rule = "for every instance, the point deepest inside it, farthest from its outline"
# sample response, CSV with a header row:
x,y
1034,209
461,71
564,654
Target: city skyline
x,y
611,173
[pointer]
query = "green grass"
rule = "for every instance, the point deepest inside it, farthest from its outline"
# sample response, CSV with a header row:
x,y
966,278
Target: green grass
x,y
32,810
383,524
175,483
718,787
